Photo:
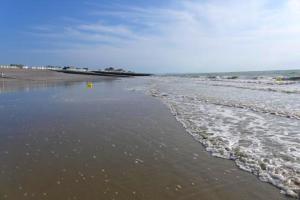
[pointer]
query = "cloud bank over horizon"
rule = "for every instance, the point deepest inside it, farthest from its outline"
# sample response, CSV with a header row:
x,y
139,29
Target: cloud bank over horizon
x,y
178,36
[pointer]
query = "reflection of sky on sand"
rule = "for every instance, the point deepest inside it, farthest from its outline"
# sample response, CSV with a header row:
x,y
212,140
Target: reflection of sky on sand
x,y
49,144
106,143
10,85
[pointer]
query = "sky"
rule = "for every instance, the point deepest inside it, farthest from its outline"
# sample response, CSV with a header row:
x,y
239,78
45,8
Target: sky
x,y
155,36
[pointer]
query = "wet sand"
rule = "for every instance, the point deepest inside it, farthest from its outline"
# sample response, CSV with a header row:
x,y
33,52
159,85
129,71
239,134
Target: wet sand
x,y
27,79
45,75
72,142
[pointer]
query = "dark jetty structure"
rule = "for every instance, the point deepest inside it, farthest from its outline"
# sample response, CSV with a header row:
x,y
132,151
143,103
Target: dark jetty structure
x,y
107,72
111,73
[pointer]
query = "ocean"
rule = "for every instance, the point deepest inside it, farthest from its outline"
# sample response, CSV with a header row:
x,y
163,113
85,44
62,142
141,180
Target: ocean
x,y
252,118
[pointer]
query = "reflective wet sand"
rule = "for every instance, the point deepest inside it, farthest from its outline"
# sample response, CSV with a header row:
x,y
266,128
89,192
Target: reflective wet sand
x,y
107,142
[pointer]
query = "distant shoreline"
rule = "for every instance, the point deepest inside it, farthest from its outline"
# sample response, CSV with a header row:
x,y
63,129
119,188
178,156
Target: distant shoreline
x,y
46,75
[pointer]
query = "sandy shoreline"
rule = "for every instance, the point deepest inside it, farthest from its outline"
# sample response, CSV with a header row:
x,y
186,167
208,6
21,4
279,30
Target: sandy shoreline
x,y
46,75
107,143
24,79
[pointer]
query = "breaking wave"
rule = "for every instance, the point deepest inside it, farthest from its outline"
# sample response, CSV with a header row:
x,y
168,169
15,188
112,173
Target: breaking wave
x,y
258,129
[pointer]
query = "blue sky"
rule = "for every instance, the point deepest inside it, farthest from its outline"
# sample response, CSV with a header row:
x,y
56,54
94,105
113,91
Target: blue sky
x,y
152,36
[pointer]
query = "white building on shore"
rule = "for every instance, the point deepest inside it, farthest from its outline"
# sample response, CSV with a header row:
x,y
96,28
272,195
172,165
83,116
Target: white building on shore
x,y
29,67
8,67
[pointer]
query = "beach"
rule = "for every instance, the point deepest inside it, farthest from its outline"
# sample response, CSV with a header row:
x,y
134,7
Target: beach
x,y
61,139
23,79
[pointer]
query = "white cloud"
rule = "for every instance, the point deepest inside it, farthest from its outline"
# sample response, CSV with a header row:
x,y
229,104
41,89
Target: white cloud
x,y
189,36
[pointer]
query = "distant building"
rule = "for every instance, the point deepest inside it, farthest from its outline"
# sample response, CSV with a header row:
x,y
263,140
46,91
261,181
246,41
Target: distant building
x,y
111,69
7,67
17,65
48,67
71,68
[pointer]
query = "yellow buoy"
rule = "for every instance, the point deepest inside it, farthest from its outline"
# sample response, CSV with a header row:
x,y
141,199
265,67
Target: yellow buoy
x,y
89,85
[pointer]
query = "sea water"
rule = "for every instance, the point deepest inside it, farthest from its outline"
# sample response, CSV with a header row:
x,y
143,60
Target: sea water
x,y
252,118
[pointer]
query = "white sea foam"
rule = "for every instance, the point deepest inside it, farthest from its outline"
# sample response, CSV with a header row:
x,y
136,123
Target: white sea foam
x,y
266,85
258,129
